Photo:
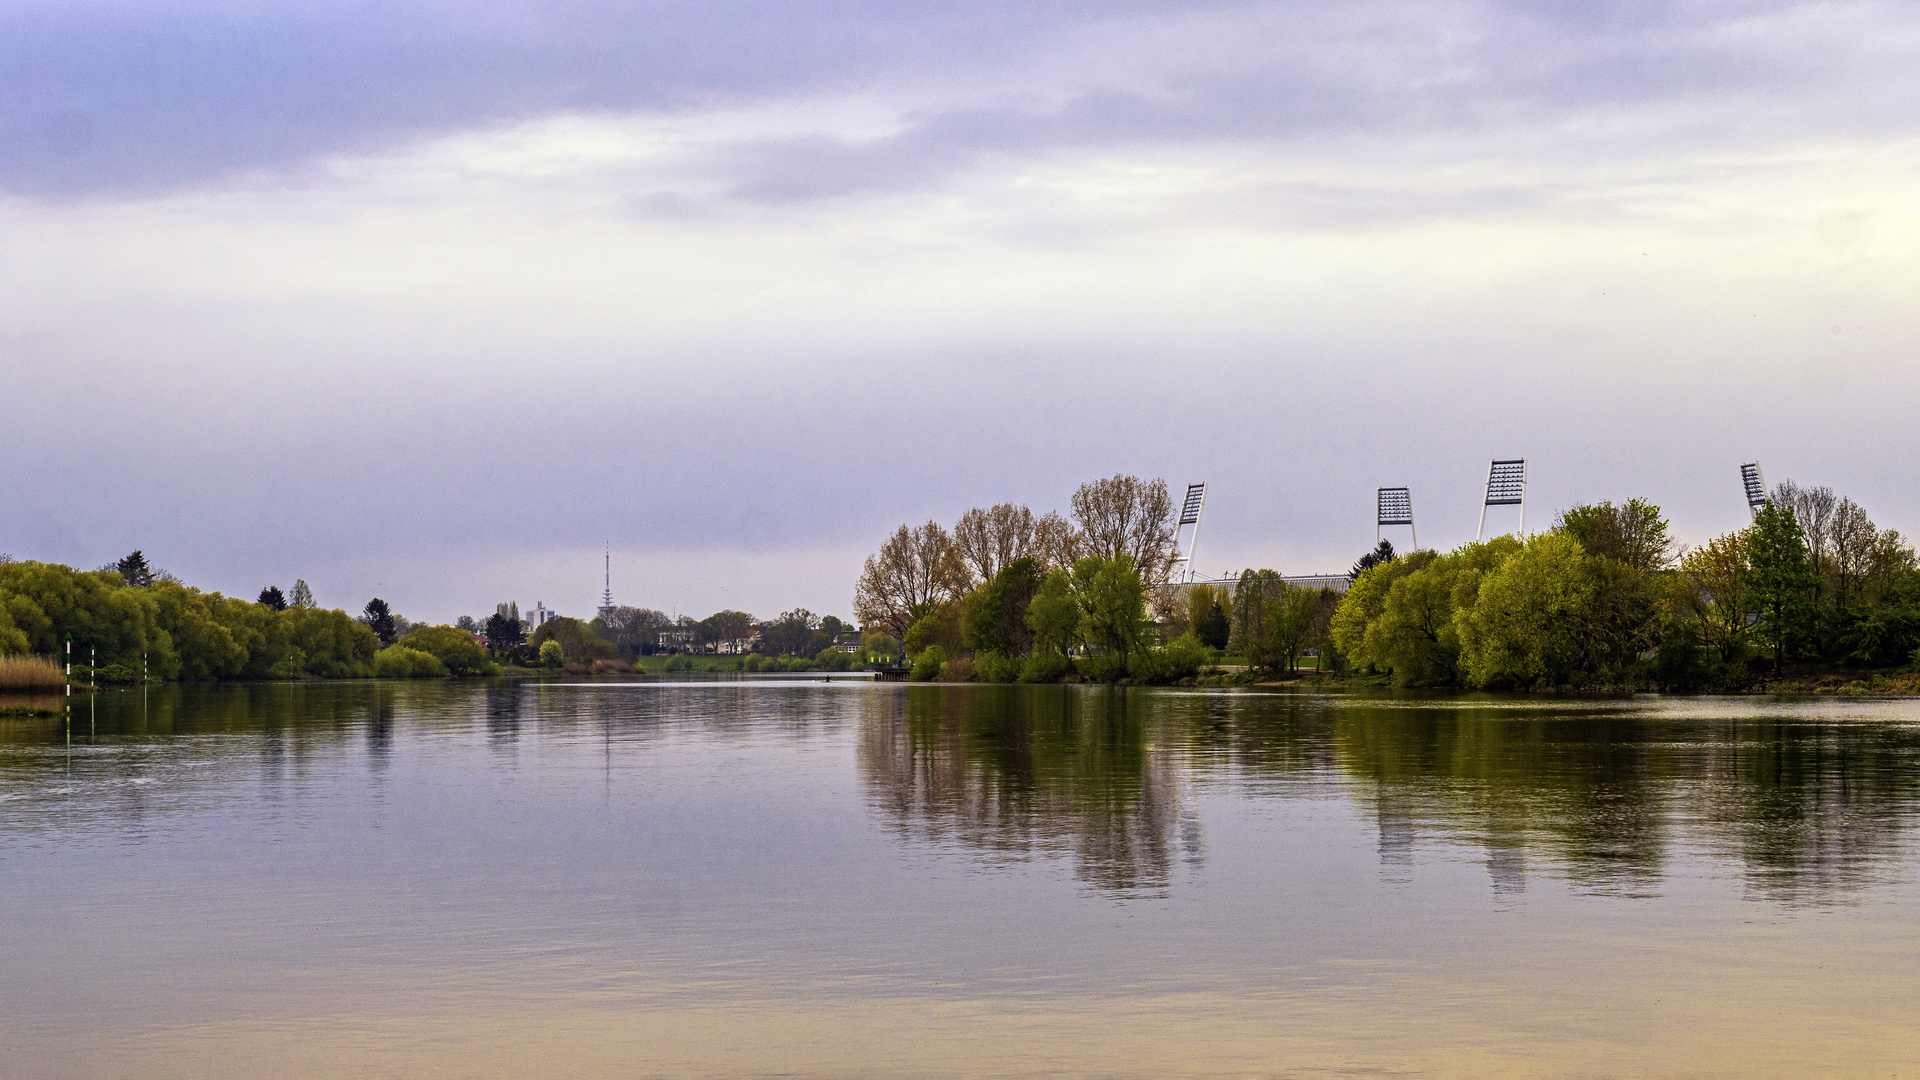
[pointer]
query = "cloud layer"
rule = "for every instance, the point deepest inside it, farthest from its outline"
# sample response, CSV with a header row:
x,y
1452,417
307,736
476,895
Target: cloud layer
x,y
316,290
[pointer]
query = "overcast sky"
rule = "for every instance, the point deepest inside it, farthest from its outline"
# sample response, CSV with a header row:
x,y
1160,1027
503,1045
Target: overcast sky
x,y
430,300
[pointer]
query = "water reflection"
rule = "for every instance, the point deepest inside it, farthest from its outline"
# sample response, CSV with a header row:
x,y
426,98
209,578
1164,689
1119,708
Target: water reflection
x,y
1605,795
1807,803
1011,771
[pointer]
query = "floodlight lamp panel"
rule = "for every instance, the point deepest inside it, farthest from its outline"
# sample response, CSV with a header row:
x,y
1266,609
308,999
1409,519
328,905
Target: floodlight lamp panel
x,y
1756,486
1395,506
1190,509
1507,482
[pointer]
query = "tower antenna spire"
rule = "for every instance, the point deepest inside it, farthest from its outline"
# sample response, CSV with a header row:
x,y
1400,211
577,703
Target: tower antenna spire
x,y
606,598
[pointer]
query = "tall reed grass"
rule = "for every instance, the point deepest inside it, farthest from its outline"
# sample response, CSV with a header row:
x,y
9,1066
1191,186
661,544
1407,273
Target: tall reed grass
x,y
26,672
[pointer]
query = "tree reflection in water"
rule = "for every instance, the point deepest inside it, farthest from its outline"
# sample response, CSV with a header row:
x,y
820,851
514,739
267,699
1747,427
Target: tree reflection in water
x,y
1603,794
1012,771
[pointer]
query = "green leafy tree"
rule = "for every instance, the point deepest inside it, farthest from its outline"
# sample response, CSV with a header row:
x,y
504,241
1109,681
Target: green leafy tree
x,y
1113,603
1780,581
789,635
1361,608
551,654
1054,615
401,662
575,638
940,626
452,646
993,618
1209,616
1633,533
1522,628
273,598
1711,596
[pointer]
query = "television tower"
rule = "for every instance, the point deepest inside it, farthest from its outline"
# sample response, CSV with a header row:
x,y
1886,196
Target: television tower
x,y
606,598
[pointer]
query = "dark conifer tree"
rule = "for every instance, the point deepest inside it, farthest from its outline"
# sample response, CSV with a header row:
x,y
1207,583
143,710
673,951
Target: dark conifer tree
x,y
379,618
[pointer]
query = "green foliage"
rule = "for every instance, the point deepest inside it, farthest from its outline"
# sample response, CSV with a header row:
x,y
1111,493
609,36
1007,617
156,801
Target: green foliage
x,y
1181,658
1046,667
1104,667
682,662
400,662
1381,553
1054,616
378,617
451,646
879,646
1633,533
926,667
1780,581
1362,606
833,659
272,597
134,571
576,640
993,617
505,631
1273,622
995,668
1210,616
938,627
790,634
1523,627
1112,602
552,654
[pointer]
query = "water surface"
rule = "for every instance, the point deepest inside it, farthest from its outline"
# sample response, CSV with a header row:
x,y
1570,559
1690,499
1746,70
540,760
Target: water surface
x,y
833,879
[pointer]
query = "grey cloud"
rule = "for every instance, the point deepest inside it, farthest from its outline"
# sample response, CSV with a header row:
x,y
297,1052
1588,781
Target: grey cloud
x,y
99,99
105,98
1643,81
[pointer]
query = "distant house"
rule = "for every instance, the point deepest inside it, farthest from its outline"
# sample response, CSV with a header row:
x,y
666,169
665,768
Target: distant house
x,y
737,646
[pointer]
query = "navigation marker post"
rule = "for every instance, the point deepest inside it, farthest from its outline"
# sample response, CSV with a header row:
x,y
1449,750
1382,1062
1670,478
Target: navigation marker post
x,y
1394,506
1755,486
1506,486
1190,509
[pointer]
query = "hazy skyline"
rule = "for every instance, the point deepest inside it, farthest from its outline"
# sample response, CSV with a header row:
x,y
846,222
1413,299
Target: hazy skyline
x,y
430,301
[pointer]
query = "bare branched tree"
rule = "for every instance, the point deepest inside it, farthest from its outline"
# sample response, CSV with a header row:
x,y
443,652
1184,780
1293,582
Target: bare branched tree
x,y
914,572
1852,541
1813,508
1128,516
990,539
1056,544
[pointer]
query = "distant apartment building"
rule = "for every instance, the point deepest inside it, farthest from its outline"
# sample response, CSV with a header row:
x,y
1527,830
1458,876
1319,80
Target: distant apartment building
x,y
540,615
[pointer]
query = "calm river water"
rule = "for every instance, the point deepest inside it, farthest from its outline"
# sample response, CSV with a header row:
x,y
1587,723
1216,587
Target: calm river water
x,y
848,879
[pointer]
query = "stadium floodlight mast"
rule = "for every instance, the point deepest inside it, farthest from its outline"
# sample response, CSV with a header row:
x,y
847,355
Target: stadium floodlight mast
x,y
1506,486
1756,487
1190,508
1394,506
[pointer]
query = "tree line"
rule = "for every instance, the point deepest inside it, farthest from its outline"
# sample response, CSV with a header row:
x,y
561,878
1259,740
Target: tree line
x,y
1009,595
1605,599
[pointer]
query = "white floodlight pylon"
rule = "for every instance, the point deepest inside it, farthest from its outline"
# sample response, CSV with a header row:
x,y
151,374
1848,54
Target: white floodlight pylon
x,y
1756,487
1394,506
1190,508
1506,486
